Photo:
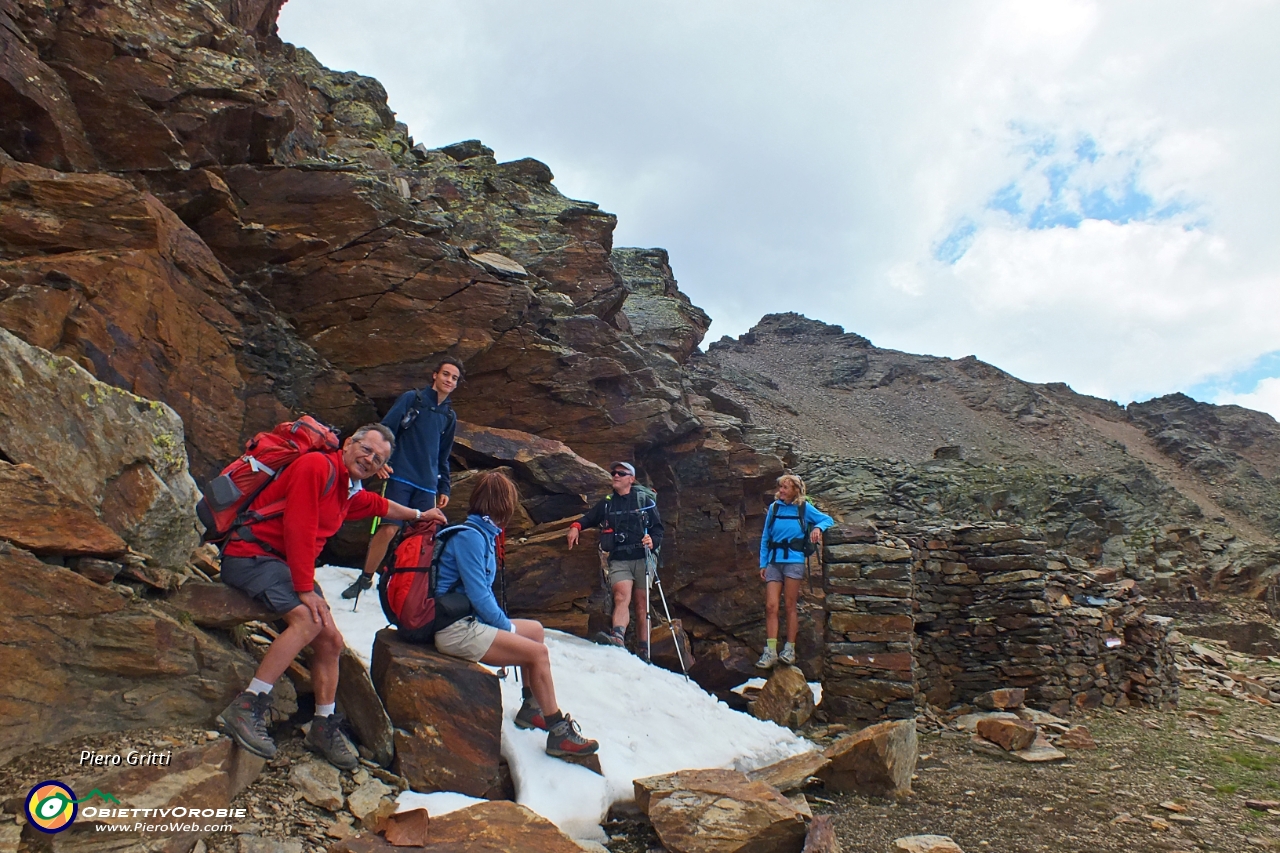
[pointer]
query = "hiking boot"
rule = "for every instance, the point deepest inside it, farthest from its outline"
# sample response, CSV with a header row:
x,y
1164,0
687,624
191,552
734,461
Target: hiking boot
x,y
326,738
564,738
788,654
530,716
768,659
612,638
245,720
642,650
361,584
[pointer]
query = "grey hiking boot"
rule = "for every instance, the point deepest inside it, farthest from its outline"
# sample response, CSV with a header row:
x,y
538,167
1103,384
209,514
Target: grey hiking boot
x,y
565,739
530,716
326,738
245,720
768,659
788,654
615,637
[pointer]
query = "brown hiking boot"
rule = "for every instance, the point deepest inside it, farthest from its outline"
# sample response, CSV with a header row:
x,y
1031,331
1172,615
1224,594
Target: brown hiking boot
x,y
326,738
565,738
245,720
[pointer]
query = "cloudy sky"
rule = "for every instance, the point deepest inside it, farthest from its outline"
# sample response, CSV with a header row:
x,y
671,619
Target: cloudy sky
x,y
1073,191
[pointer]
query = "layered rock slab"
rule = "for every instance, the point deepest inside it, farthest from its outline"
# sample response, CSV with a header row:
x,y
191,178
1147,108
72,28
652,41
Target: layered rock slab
x,y
447,714
720,811
877,760
39,517
82,659
500,826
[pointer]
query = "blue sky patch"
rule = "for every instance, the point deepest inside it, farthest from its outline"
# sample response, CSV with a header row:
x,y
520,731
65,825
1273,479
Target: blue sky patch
x,y
1243,381
1063,183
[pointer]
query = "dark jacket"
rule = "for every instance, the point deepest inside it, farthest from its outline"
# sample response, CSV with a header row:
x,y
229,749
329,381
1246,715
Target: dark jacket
x,y
421,456
628,518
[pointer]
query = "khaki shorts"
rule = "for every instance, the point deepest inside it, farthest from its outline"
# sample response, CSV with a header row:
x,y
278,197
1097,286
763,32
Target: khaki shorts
x,y
468,638
627,570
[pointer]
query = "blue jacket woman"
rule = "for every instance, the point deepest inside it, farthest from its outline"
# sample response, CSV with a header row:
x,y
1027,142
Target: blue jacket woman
x,y
790,520
469,564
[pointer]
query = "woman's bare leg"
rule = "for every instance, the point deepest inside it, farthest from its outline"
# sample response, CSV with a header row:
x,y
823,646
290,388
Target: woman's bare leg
x,y
525,648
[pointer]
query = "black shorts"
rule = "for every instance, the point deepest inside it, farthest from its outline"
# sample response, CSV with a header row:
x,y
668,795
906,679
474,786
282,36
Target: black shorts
x,y
266,580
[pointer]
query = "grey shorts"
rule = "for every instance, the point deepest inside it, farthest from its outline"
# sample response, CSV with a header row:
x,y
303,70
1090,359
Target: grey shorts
x,y
266,580
775,572
627,570
468,638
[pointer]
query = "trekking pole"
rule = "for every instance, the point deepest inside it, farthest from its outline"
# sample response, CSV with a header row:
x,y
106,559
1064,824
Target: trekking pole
x,y
652,571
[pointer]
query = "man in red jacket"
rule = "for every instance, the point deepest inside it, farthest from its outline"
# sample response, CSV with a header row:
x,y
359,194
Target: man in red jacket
x,y
275,564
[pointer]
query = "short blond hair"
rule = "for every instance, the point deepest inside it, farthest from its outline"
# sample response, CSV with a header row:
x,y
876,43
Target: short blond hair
x,y
797,484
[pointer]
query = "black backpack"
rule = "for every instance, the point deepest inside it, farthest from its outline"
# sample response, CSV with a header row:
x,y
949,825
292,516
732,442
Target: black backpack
x,y
804,545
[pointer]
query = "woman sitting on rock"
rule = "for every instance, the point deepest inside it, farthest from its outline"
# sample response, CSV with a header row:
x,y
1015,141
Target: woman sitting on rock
x,y
469,565
791,518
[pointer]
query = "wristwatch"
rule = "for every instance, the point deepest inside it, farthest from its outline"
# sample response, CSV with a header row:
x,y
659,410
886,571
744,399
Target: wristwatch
x,y
418,517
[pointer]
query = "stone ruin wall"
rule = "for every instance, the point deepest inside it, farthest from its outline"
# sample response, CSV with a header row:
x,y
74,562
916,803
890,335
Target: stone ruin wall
x,y
942,615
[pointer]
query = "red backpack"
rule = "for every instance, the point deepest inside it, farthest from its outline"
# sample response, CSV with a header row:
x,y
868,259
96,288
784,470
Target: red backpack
x,y
410,575
224,509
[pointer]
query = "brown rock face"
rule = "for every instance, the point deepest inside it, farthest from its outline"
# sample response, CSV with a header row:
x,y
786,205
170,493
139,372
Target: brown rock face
x,y
500,826
103,274
717,811
878,760
80,659
1012,735
785,698
450,711
550,464
39,518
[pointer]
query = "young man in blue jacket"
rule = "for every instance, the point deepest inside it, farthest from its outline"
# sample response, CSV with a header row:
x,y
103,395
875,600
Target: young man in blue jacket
x,y
418,473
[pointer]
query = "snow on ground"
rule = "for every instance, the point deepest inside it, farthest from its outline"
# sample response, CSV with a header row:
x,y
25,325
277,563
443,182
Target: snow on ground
x,y
439,803
648,721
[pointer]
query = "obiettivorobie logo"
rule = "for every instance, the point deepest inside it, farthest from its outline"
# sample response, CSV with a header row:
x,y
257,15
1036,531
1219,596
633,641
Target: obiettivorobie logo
x,y
52,806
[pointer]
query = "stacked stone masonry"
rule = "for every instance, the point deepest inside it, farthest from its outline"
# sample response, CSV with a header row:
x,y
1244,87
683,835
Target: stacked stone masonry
x,y
942,615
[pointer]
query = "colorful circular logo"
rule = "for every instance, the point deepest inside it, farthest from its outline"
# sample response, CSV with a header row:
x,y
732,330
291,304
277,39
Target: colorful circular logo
x,y
51,806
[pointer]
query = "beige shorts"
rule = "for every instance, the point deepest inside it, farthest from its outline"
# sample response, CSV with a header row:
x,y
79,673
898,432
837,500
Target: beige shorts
x,y
627,570
467,638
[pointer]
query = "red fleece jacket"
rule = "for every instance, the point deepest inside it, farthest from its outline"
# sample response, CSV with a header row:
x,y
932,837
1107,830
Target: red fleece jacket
x,y
311,515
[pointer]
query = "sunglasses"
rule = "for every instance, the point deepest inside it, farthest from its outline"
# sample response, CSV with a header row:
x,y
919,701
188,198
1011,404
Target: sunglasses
x,y
619,474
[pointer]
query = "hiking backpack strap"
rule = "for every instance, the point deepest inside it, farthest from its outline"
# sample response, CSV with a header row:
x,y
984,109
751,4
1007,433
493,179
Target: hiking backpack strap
x,y
243,527
768,531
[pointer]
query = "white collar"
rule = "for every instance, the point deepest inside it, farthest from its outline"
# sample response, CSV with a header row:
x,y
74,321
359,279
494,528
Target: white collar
x,y
356,486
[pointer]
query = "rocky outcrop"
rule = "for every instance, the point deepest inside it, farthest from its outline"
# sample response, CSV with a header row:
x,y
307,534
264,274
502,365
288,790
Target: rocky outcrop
x,y
120,455
83,659
785,699
551,465
500,826
876,761
447,713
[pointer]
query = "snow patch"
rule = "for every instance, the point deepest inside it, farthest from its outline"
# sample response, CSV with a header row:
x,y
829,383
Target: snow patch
x,y
649,721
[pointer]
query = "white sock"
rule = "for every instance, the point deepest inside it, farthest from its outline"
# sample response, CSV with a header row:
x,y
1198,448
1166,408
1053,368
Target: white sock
x,y
325,710
257,685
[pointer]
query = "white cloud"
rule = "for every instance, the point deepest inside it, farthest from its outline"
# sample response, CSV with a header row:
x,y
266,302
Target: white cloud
x,y
1265,397
814,156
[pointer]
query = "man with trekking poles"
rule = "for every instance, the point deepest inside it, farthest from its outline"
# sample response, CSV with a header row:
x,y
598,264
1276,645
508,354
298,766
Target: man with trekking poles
x,y
282,517
631,534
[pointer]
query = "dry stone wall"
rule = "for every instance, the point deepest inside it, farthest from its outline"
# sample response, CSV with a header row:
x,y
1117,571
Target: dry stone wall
x,y
942,615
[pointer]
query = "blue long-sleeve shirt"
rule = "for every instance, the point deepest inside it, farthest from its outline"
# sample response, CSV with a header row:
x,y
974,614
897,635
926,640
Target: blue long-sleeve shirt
x,y
786,526
421,455
470,560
